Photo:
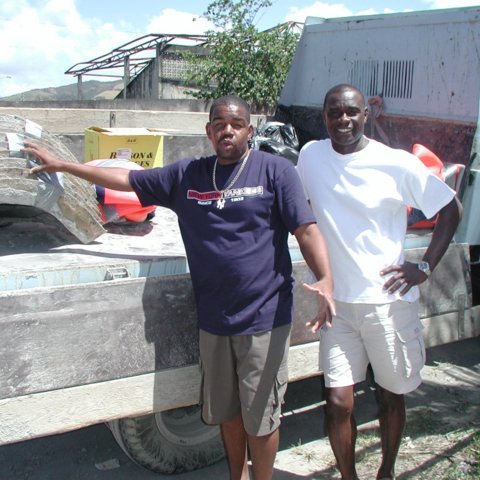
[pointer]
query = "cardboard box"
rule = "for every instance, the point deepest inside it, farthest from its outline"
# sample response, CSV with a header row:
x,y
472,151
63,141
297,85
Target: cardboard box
x,y
140,145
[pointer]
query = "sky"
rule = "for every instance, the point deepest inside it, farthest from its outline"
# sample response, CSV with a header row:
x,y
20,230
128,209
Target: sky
x,y
41,39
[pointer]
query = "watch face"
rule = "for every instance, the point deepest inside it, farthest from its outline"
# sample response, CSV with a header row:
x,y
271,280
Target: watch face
x,y
424,267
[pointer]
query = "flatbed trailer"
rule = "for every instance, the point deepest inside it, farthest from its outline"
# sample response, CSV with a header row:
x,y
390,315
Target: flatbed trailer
x,y
106,332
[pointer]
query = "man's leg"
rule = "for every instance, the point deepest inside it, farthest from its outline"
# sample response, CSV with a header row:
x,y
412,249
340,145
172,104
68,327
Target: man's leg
x,y
235,443
392,423
262,452
342,429
220,402
397,355
263,377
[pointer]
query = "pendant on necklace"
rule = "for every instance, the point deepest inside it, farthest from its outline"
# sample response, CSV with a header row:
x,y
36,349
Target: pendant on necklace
x,y
221,201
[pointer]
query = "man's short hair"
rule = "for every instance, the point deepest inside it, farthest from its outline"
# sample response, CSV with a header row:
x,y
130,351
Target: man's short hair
x,y
338,88
230,100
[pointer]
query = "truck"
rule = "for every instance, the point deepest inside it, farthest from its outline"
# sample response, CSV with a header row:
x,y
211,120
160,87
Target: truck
x,y
98,320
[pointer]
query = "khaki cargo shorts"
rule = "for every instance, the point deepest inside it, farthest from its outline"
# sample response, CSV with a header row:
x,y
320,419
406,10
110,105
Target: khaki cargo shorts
x,y
388,336
245,375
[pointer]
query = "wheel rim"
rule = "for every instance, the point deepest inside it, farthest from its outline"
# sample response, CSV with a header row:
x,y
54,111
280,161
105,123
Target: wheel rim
x,y
184,426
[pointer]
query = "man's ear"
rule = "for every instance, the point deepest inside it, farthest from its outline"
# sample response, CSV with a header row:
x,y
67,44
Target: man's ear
x,y
207,129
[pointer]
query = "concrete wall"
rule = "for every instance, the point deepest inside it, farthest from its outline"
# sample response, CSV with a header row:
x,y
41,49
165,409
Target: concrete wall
x,y
64,120
175,147
75,120
184,130
144,85
180,105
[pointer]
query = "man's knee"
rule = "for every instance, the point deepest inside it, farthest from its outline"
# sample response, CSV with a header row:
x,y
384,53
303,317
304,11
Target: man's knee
x,y
388,400
340,401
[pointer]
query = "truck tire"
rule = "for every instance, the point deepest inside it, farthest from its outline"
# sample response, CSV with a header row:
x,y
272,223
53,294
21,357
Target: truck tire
x,y
172,441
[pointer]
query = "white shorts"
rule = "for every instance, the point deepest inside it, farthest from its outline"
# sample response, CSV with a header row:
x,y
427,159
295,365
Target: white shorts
x,y
387,336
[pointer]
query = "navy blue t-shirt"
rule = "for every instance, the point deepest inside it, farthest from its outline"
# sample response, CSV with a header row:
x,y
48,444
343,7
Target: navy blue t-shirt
x,y
236,246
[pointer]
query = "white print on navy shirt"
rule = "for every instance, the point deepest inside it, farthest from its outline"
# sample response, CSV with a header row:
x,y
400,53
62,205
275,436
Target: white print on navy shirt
x,y
234,195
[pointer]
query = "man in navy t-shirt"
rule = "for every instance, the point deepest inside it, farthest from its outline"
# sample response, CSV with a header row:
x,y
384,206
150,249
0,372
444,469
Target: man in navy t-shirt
x,y
235,211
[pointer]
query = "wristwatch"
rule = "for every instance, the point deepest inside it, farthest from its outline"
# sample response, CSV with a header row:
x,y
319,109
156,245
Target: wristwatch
x,y
425,268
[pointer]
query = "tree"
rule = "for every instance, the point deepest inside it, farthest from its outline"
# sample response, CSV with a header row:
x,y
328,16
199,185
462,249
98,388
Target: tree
x,y
242,60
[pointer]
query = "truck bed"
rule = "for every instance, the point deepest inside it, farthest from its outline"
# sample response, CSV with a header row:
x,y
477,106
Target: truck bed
x,y
107,330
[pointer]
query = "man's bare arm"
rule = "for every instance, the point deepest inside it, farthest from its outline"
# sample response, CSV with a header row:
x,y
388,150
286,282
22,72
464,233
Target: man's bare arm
x,y
113,178
315,252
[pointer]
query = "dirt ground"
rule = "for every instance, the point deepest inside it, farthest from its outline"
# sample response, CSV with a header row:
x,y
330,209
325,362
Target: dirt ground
x,y
442,439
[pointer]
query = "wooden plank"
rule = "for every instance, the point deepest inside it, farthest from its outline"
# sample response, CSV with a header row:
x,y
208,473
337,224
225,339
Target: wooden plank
x,y
30,416
449,287
130,348
96,332
57,411
451,327
90,333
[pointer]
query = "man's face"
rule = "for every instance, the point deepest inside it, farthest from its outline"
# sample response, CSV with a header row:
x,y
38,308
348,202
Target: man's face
x,y
345,115
229,131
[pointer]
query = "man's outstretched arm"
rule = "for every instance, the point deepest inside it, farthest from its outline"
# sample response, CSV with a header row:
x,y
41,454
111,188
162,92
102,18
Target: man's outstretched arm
x,y
113,178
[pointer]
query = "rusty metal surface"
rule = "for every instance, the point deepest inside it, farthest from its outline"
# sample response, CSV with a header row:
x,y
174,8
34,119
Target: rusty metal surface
x,y
450,140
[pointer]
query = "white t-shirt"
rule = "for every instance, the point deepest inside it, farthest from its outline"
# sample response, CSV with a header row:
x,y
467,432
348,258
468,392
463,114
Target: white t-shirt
x,y
360,201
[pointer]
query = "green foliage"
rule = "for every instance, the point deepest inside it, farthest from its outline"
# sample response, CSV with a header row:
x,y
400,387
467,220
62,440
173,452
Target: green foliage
x,y
225,13
242,60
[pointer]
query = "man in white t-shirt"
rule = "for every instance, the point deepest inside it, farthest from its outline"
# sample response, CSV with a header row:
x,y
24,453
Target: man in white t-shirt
x,y
359,190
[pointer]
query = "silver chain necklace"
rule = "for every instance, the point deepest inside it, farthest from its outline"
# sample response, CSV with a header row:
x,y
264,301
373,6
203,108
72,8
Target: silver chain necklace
x,y
221,201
